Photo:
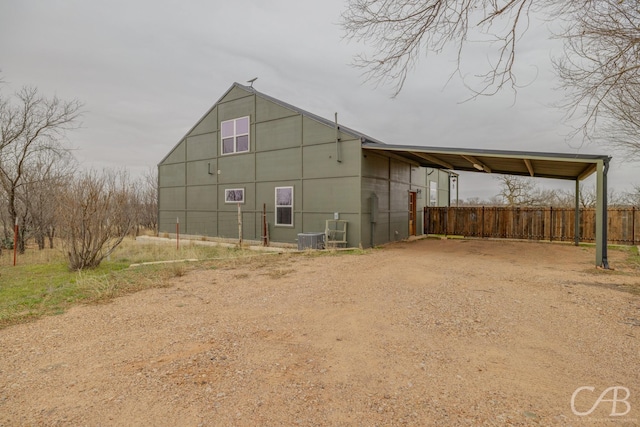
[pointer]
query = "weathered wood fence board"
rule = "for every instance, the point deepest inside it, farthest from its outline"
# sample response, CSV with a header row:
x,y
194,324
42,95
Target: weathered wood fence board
x,y
532,223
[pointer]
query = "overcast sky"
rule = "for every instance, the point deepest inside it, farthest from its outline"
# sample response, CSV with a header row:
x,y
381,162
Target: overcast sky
x,y
148,70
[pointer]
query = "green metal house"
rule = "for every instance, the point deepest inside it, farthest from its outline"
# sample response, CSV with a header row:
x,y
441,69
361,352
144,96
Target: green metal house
x,y
254,151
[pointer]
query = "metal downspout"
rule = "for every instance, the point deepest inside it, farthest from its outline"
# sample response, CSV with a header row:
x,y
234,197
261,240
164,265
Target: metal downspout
x,y
338,153
605,221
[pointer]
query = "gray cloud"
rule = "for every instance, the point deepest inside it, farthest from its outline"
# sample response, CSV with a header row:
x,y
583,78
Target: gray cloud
x,y
147,70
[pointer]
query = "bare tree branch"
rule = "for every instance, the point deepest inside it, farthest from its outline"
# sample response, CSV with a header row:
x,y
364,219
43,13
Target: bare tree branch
x,y
599,69
399,31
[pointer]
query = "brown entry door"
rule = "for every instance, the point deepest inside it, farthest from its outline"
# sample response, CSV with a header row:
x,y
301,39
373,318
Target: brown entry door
x,y
412,213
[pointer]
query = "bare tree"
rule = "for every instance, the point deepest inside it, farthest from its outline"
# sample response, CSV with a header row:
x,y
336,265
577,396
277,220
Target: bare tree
x,y
633,197
588,197
46,176
95,216
599,68
523,191
34,124
148,199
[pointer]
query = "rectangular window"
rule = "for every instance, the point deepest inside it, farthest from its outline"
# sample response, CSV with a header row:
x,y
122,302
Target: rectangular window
x,y
234,135
284,206
234,195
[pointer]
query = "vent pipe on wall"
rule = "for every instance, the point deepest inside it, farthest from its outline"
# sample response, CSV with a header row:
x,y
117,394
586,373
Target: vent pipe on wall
x,y
338,156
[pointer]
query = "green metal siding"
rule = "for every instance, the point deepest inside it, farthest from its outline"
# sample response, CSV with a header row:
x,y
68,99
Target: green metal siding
x,y
178,154
399,205
319,133
400,171
320,161
443,188
171,175
167,221
331,195
203,172
378,186
237,168
279,165
172,198
418,177
398,225
375,166
235,93
237,108
228,225
278,134
202,198
202,146
201,223
208,124
381,230
391,180
267,110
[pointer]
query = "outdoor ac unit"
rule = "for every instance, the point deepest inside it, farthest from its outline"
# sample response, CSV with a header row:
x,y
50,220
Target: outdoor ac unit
x,y
310,241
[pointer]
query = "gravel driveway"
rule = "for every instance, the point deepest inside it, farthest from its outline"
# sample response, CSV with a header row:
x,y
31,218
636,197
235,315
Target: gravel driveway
x,y
430,332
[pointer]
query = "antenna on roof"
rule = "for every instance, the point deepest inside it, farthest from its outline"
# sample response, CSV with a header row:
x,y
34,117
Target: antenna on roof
x,y
251,81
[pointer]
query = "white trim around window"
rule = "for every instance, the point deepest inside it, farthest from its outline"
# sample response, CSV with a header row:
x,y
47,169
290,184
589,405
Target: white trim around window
x,y
234,136
284,206
234,195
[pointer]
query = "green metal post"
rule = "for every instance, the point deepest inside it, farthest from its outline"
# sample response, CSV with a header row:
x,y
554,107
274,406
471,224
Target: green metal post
x,y
576,219
601,214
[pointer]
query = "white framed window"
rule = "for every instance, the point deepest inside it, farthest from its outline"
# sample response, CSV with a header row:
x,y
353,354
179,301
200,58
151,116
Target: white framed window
x,y
234,195
284,206
234,135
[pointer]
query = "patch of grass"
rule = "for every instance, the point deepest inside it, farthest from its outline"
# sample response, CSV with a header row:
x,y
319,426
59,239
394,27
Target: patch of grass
x,y
30,291
42,284
633,258
335,252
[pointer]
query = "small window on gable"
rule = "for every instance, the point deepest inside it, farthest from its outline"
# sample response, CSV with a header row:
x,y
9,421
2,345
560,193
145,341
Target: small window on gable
x,y
234,135
234,195
284,206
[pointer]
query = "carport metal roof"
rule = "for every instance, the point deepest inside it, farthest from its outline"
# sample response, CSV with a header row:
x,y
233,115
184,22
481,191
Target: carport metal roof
x,y
526,163
574,167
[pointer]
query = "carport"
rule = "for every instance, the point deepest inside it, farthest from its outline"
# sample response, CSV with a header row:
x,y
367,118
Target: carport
x,y
575,167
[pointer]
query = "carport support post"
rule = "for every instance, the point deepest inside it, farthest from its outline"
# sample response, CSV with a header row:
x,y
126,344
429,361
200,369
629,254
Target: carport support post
x,y
576,219
601,214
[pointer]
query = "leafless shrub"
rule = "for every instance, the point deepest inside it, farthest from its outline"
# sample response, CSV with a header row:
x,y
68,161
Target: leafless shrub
x,y
95,215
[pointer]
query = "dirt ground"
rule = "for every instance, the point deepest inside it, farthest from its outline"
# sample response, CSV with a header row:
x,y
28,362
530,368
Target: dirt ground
x,y
430,332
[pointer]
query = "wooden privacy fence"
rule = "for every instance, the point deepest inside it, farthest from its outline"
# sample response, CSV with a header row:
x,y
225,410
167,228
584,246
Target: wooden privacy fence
x,y
532,223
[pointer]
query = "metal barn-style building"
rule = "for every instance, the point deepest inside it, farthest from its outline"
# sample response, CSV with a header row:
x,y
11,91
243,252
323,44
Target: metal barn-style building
x,y
257,151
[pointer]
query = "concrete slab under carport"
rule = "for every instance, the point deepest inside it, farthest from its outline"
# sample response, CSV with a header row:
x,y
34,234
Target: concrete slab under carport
x,y
575,167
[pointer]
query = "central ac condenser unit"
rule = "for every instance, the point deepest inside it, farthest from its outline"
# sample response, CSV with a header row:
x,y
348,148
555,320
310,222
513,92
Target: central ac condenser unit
x,y
310,241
